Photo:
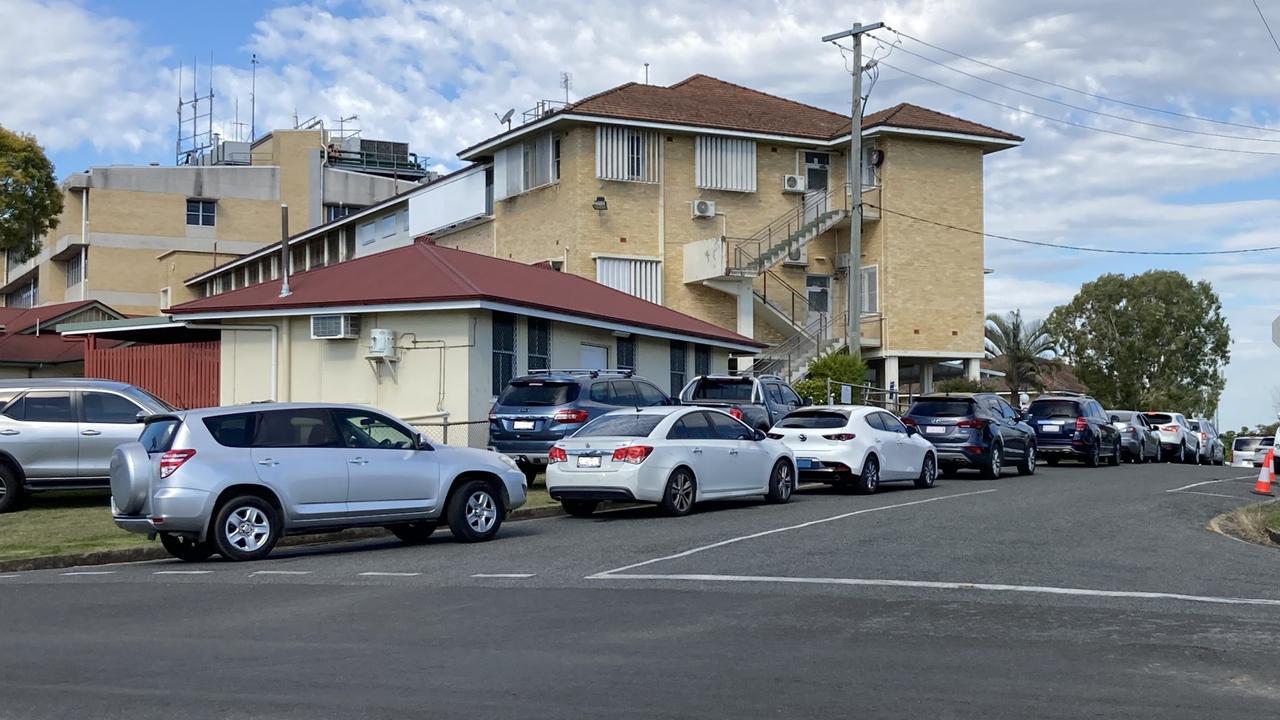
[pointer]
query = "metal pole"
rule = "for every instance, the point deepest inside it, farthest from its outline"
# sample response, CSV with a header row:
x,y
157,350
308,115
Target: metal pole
x,y
854,177
284,251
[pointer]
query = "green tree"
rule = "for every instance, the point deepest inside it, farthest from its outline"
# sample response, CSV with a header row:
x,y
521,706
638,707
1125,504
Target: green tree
x,y
1020,346
957,385
1151,341
30,199
837,366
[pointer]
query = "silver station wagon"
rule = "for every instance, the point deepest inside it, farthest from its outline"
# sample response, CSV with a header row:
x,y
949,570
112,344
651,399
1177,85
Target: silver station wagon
x,y
234,480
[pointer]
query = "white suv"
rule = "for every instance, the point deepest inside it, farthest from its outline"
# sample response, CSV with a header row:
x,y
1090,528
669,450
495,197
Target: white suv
x,y
1178,443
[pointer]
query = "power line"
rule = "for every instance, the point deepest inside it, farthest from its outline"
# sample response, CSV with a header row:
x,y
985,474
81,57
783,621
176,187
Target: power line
x,y
1079,248
1086,93
1051,118
1079,107
1266,25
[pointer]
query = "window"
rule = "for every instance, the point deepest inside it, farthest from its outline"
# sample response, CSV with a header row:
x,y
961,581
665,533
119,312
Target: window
x,y
626,154
624,393
701,360
348,244
731,389
629,425
627,353
370,431
504,350
726,428
694,426
525,165
100,407
555,158
387,226
775,393
959,407
892,424
42,407
638,277
1006,410
311,428
232,430
875,421
165,294
75,268
679,365
365,233
539,394
539,356
650,395
789,397
870,288
157,436
24,297
602,393
404,220
334,212
814,420
1054,408
332,248
870,173
200,212
722,163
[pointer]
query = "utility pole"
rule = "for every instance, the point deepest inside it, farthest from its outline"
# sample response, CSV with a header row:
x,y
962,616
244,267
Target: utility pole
x,y
853,293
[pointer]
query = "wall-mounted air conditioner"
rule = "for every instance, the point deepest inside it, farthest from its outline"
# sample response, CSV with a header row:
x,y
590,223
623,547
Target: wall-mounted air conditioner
x,y
842,261
793,183
704,208
382,342
797,256
335,327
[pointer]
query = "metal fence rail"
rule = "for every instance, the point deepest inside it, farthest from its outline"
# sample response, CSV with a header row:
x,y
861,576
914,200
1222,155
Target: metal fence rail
x,y
465,433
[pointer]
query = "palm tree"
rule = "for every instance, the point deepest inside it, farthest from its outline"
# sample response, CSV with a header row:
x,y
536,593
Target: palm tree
x,y
1021,345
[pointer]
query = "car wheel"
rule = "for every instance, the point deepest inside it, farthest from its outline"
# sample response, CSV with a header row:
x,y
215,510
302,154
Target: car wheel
x,y
414,533
782,482
580,508
1114,460
928,472
186,548
246,528
1028,464
869,481
678,496
995,462
474,512
11,492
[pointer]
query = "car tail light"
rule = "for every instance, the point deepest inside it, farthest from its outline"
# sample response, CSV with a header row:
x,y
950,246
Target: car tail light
x,y
172,460
774,436
908,421
972,423
1081,424
1131,430
736,413
841,437
634,454
570,416
1203,437
557,454
493,414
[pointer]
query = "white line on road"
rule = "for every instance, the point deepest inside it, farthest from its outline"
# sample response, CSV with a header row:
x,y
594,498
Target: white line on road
x,y
389,574
90,572
181,572
1209,482
934,585
502,575
2,577
282,572
753,536
1197,492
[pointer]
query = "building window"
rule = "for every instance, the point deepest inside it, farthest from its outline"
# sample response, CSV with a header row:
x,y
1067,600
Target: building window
x,y
335,212
366,233
870,173
870,287
626,154
75,269
504,350
642,278
165,294
387,226
679,365
297,259
722,163
627,353
701,360
539,343
555,158
200,212
349,243
523,166
332,248
24,297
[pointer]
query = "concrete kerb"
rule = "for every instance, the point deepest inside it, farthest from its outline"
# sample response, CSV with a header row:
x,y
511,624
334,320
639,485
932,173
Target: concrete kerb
x,y
1222,523
155,552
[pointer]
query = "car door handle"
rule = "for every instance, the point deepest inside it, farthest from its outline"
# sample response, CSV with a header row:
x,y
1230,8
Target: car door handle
x,y
358,461
269,462
8,431
90,432
697,451
733,452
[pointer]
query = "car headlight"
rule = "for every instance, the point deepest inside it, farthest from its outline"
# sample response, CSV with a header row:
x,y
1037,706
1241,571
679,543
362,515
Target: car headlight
x,y
509,462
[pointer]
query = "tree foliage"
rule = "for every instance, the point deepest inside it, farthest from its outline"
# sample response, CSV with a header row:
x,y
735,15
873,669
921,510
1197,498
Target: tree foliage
x,y
958,385
837,366
30,199
1023,346
1152,341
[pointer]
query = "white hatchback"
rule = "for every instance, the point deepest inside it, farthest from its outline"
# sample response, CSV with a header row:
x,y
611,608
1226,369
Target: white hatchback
x,y
856,446
672,456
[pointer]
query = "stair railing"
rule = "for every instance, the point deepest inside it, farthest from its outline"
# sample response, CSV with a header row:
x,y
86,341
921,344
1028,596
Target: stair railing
x,y
786,299
753,255
785,357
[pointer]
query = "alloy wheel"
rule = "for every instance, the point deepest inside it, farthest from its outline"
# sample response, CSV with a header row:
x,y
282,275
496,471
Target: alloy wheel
x,y
247,528
873,477
681,492
482,511
785,481
1031,457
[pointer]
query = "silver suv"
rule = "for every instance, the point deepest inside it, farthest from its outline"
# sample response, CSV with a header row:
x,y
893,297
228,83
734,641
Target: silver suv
x,y
58,434
234,480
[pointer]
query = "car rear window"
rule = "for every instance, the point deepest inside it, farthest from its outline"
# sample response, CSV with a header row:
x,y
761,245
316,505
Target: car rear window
x,y
1195,425
726,389
539,394
629,425
1054,408
814,419
1158,418
1121,415
945,407
157,435
1248,443
233,430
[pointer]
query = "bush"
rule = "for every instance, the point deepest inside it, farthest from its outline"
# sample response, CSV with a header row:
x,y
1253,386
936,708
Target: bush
x,y
957,385
812,391
838,366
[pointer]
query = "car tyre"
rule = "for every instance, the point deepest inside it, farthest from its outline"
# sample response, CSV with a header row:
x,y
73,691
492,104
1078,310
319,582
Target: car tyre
x,y
1094,458
186,548
994,465
679,494
1028,464
475,512
928,472
1114,460
414,533
869,481
580,508
12,493
246,527
782,482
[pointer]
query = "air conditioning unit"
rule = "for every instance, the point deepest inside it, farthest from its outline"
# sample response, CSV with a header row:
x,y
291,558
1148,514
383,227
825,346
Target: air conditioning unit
x,y
797,256
382,342
793,183
335,327
842,261
704,208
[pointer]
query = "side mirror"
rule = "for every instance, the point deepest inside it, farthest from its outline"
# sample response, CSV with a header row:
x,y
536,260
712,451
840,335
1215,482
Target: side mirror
x,y
912,430
420,442
758,435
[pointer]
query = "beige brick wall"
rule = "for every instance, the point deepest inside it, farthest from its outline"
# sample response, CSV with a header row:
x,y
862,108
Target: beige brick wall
x,y
292,151
476,239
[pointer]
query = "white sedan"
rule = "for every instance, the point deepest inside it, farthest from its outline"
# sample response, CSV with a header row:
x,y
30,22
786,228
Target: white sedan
x,y
672,456
858,446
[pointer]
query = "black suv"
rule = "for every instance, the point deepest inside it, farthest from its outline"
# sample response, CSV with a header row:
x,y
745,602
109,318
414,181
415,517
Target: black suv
x,y
974,430
760,401
536,410
1075,426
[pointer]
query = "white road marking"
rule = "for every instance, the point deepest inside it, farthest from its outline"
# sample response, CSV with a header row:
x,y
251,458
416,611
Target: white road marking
x,y
90,572
1209,482
389,574
753,536
502,575
1197,492
934,585
181,572
2,577
282,572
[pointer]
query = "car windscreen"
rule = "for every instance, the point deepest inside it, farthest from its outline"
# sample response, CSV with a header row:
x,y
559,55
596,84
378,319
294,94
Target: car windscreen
x,y
1158,418
814,419
729,389
627,425
149,401
943,407
157,435
1054,408
539,394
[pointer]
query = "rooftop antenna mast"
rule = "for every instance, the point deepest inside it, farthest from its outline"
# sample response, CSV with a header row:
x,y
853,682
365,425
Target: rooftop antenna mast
x,y
195,118
566,82
646,73
253,97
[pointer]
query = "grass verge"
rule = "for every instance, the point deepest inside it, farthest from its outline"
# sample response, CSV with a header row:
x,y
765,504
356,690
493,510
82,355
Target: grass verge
x,y
1250,522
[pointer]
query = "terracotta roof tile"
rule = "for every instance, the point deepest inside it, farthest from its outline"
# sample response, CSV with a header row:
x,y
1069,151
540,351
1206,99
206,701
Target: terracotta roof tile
x,y
20,344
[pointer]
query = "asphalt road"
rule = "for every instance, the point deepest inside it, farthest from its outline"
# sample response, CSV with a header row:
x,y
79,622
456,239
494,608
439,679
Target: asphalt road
x,y
1075,593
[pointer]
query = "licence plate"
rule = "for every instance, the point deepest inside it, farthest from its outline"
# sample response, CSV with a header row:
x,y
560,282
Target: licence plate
x,y
806,463
522,425
589,461
935,429
1051,428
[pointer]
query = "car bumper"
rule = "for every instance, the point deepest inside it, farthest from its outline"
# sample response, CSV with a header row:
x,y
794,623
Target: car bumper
x,y
530,452
179,510
1131,445
630,484
1062,448
960,455
827,466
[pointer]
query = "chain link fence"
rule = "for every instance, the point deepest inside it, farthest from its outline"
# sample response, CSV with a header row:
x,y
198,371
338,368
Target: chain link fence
x,y
468,433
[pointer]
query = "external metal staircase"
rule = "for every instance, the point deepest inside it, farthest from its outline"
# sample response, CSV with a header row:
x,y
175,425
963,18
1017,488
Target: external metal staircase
x,y
771,244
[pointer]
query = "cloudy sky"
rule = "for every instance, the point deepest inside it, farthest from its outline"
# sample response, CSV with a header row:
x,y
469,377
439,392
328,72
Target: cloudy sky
x,y
97,83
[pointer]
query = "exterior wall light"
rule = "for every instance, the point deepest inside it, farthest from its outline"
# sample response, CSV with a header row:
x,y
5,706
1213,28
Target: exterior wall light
x,y
600,205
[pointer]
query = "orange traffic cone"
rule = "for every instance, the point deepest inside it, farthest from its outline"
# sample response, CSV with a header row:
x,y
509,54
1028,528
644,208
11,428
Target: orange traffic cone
x,y
1266,476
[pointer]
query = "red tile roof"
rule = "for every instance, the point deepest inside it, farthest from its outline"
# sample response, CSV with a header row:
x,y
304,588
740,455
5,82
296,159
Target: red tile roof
x,y
914,117
427,273
19,343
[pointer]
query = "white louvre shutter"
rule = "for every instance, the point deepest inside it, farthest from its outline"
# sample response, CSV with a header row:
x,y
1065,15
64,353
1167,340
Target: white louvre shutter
x,y
870,289
642,278
615,159
723,163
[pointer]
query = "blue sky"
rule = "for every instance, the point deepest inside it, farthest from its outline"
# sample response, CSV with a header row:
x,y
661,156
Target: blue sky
x,y
96,82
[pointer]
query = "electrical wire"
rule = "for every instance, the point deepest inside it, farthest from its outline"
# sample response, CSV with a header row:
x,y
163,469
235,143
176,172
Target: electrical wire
x,y
1266,25
1096,96
1078,248
1051,118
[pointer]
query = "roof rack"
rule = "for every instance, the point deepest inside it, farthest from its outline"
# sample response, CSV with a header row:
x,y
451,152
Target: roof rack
x,y
593,372
1068,393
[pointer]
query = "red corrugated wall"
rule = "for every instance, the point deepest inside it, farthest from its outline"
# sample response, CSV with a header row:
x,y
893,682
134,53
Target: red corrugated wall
x,y
183,374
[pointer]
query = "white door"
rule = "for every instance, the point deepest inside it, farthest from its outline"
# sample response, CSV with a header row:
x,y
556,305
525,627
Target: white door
x,y
817,172
886,445
907,455
709,456
747,468
594,357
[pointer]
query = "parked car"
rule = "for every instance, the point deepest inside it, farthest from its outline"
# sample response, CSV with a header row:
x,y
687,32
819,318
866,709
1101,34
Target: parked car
x,y
1074,426
1177,442
857,447
536,410
234,480
672,456
1250,451
58,434
974,430
1138,439
1212,451
760,401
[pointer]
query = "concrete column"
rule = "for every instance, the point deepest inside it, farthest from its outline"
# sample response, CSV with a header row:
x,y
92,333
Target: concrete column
x,y
926,376
972,369
890,379
746,319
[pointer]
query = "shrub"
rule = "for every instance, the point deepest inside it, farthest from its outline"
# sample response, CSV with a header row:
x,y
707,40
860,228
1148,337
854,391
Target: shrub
x,y
957,385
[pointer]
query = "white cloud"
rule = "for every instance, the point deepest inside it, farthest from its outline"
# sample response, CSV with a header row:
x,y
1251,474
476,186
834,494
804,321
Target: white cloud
x,y
1035,298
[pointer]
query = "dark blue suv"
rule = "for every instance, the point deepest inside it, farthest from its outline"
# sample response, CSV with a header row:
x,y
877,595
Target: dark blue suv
x,y
974,430
536,410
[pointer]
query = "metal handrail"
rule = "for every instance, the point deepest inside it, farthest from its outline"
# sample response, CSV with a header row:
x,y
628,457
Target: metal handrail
x,y
811,339
749,254
795,296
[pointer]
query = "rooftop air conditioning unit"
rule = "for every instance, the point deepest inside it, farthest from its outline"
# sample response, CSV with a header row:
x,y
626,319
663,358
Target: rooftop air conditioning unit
x,y
793,183
704,208
335,327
